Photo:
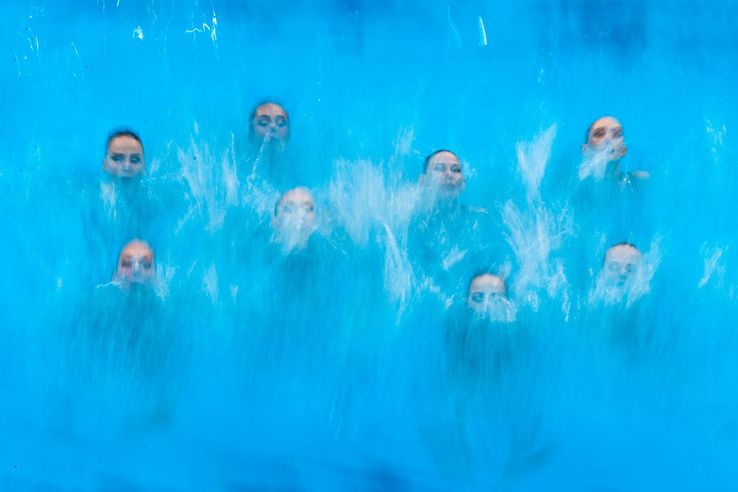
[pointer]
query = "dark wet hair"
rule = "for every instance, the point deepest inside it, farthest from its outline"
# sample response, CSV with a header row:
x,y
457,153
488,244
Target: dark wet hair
x,y
625,243
427,160
122,132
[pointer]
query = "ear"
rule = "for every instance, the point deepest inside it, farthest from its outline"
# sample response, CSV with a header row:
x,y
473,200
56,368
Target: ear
x,y
585,147
105,164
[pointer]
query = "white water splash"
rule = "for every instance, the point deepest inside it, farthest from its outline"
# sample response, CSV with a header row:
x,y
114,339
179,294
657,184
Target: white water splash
x,y
712,264
363,198
535,232
533,158
482,32
212,180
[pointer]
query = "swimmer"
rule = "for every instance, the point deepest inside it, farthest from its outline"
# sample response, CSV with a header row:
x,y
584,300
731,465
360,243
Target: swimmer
x,y
622,265
294,219
603,148
124,155
444,233
269,126
487,298
135,265
443,176
623,275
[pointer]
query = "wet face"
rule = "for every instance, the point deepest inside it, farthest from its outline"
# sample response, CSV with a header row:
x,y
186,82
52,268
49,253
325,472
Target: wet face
x,y
294,219
124,157
622,265
444,174
270,125
135,264
606,135
486,293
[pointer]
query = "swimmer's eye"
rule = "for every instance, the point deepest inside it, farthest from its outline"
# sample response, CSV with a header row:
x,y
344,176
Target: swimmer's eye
x,y
135,159
281,121
599,133
288,208
263,121
125,263
613,267
456,169
478,297
118,157
308,208
630,268
617,133
439,168
147,264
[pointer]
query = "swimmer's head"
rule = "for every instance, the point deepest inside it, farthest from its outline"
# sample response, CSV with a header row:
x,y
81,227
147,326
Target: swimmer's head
x,y
622,265
605,135
294,218
135,264
442,172
487,296
269,125
124,157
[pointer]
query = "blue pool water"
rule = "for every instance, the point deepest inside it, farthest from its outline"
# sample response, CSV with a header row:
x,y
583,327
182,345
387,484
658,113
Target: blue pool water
x,y
338,368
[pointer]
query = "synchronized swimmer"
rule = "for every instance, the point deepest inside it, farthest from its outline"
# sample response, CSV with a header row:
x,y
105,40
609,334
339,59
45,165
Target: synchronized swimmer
x,y
294,221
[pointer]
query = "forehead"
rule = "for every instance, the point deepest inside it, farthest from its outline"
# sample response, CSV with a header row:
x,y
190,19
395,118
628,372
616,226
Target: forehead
x,y
623,254
445,157
487,282
137,250
606,122
270,109
298,196
124,143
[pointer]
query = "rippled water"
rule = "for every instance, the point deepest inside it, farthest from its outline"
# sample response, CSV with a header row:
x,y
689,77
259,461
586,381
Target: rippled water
x,y
354,363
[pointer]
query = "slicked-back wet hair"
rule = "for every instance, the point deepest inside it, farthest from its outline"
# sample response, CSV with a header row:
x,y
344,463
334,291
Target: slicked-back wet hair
x,y
625,243
122,132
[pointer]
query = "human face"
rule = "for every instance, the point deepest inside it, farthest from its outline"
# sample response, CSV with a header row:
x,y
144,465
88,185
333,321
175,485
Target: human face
x,y
606,135
622,265
445,175
295,219
124,158
135,264
486,293
270,124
